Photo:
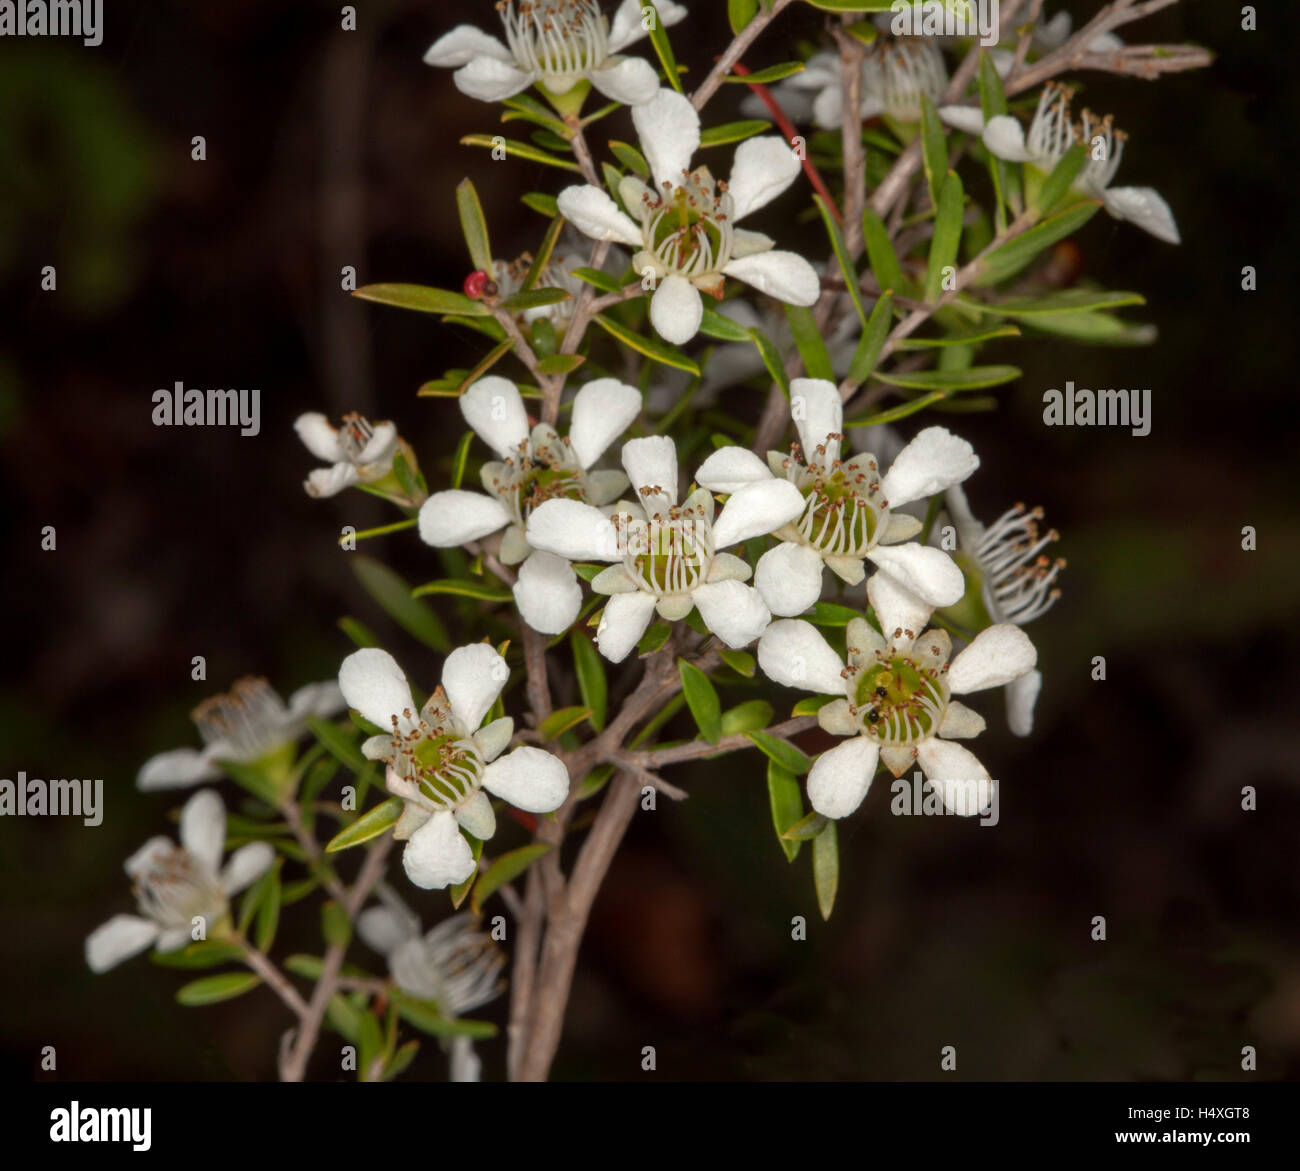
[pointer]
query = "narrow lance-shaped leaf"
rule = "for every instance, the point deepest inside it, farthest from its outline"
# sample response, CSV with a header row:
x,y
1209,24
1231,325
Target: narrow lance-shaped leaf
x,y
662,46
826,868
473,226
590,669
505,869
702,699
787,805
369,825
940,275
934,148
880,252
808,341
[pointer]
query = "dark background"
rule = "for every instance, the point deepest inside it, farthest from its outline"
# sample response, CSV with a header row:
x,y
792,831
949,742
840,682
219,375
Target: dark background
x,y
326,149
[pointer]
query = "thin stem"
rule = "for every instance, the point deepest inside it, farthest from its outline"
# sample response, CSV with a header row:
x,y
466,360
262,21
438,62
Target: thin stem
x,y
734,52
276,980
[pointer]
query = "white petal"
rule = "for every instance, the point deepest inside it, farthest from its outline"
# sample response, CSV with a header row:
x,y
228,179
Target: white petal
x,y
783,275
119,939
936,459
818,412
623,623
437,856
602,411
475,816
246,865
465,1063
965,118
147,856
492,739
896,608
595,214
322,699
731,468
960,722
547,593
320,438
963,784
997,656
1005,137
631,81
900,527
413,817
383,929
177,769
493,407
734,612
626,26
203,828
604,485
473,677
747,243
729,567
756,510
676,309
1145,207
376,686
528,779
455,517
794,654
490,80
382,442
1022,694
573,530
929,573
764,167
323,483
840,778
790,578
651,463
462,45
669,130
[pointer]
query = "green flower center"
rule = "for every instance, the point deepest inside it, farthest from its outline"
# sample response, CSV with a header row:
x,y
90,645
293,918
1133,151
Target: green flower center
x,y
837,519
899,702
446,768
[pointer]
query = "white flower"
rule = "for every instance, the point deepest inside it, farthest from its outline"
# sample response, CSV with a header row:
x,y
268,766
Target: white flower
x,y
454,965
440,761
845,515
1017,582
896,73
358,453
667,556
556,44
896,703
687,234
176,885
509,277
247,725
534,467
1051,134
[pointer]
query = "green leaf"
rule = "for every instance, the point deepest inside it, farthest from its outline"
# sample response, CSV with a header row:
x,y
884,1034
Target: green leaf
x,y
369,825
344,1017
521,150
255,896
808,341
561,720
947,236
782,752
1008,259
401,1060
505,869
461,889
339,744
473,226
1065,301
460,459
810,705
787,805
872,341
335,925
880,252
739,661
830,614
826,868
771,359
934,148
900,412
601,280
702,699
847,270
751,716
663,48
631,158
423,299
206,953
464,587
967,339
1057,184
542,203
852,5
654,638
213,989
740,13
806,828
971,378
651,348
393,593
720,327
543,257
730,132
766,76
1092,328
535,299
993,102
590,669
425,1016
358,632
560,363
